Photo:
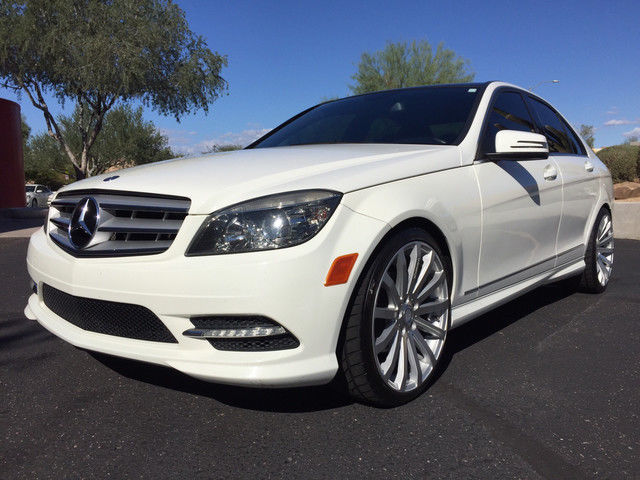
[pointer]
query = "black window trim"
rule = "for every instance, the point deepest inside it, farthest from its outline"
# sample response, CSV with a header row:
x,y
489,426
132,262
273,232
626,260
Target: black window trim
x,y
562,120
481,88
480,155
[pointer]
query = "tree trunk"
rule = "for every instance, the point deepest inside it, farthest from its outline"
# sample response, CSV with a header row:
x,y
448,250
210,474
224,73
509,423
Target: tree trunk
x,y
80,175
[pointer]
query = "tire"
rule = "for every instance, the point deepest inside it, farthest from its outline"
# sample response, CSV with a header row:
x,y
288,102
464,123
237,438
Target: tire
x,y
599,255
401,325
34,203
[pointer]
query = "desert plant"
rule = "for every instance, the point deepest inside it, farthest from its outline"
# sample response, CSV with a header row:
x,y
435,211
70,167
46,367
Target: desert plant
x,y
623,162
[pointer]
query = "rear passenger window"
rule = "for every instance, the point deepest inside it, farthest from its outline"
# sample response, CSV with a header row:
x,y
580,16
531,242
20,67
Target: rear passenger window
x,y
559,136
507,113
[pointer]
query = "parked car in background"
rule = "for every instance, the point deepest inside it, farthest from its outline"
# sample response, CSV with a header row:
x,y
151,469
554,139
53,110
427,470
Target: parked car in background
x,y
37,195
349,240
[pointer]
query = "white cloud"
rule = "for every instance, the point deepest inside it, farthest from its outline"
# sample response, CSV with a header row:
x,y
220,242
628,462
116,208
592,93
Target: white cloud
x,y
613,111
177,137
633,133
615,122
182,142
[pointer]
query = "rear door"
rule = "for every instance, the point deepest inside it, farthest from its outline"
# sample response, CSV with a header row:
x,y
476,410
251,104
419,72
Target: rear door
x,y
580,184
521,202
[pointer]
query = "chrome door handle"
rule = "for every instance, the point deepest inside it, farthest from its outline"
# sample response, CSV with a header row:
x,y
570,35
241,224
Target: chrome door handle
x,y
588,166
550,173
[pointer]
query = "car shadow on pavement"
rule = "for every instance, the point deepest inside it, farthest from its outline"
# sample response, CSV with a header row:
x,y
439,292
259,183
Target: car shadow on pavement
x,y
501,317
310,399
283,400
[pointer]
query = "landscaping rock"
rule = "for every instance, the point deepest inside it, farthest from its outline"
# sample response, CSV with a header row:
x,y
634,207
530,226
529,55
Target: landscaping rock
x,y
626,190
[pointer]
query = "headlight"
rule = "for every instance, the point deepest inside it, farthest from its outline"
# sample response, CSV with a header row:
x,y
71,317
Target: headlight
x,y
266,223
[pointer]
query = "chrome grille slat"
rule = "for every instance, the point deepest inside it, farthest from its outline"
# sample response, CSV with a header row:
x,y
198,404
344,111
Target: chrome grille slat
x,y
129,223
126,202
61,222
141,225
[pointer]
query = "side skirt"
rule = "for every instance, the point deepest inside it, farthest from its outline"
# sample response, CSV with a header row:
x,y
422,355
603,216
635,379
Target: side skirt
x,y
461,314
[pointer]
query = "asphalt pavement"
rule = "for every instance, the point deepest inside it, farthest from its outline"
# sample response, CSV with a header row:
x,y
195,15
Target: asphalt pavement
x,y
547,386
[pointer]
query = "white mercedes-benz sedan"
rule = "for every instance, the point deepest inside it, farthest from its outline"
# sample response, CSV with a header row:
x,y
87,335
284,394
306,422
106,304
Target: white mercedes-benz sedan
x,y
349,240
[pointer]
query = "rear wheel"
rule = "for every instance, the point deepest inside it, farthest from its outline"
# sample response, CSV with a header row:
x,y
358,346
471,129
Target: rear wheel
x,y
599,255
398,321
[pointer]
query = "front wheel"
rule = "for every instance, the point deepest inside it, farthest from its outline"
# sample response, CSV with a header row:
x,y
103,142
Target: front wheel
x,y
398,320
599,255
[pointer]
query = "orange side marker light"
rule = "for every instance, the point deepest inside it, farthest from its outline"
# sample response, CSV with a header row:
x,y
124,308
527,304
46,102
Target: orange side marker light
x,y
340,270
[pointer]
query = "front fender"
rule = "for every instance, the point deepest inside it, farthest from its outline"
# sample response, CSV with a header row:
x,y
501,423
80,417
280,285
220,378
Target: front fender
x,y
449,199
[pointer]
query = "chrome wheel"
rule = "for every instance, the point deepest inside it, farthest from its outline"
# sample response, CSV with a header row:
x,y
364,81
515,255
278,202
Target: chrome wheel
x,y
604,250
410,316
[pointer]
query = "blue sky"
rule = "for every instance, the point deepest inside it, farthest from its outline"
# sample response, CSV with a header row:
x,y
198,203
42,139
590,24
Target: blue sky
x,y
287,55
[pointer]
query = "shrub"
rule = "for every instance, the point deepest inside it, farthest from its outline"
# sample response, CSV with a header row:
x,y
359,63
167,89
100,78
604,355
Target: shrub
x,y
623,162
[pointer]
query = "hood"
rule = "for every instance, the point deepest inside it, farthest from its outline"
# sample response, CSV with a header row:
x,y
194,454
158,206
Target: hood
x,y
222,179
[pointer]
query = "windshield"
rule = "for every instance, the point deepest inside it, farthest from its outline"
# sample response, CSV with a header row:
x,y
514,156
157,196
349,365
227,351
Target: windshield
x,y
30,188
427,115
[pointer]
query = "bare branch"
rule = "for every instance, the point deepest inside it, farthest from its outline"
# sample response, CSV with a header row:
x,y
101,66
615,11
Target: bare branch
x,y
52,126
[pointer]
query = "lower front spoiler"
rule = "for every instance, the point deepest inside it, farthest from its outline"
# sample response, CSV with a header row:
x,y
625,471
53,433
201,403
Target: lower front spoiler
x,y
256,369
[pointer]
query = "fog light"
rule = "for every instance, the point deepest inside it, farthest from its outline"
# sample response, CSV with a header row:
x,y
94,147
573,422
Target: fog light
x,y
234,332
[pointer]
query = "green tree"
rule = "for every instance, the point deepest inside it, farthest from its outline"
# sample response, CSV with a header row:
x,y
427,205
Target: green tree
x,y
408,65
45,163
587,132
99,52
26,130
126,140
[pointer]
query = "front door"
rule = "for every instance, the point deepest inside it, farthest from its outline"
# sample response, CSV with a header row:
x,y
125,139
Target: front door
x,y
521,203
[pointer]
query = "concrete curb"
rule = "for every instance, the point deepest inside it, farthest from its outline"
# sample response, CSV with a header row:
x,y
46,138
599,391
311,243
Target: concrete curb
x,y
626,220
24,212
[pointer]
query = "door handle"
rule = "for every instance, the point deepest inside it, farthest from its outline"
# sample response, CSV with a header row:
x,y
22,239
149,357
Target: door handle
x,y
550,173
588,166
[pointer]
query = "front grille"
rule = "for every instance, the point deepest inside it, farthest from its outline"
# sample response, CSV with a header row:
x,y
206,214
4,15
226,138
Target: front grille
x,y
285,341
110,318
128,223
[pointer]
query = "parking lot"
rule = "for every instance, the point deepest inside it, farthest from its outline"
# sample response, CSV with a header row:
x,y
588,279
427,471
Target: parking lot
x,y
547,386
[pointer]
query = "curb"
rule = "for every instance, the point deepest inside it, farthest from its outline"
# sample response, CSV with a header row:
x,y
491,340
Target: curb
x,y
626,220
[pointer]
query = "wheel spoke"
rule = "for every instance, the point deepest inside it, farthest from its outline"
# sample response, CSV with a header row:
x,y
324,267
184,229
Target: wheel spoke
x,y
605,229
390,288
603,269
438,276
605,260
605,250
386,337
430,328
423,346
604,241
389,362
412,270
436,306
414,360
386,313
401,372
401,273
426,265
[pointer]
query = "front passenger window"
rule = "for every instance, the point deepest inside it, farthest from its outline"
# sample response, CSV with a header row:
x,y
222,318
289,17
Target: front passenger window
x,y
507,113
552,127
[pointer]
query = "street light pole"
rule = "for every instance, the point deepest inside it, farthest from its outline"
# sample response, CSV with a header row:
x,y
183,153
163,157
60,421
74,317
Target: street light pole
x,y
542,82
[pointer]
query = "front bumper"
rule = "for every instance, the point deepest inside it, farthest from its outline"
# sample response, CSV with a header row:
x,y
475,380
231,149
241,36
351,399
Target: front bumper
x,y
285,285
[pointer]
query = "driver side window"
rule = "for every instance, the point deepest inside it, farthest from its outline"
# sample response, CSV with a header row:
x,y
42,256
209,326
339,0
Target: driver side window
x,y
508,112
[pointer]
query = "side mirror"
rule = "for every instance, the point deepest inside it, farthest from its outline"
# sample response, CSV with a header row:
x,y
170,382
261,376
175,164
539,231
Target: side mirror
x,y
517,145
